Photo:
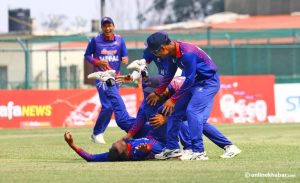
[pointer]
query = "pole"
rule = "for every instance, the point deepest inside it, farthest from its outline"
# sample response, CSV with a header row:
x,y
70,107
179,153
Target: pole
x,y
233,53
47,70
102,9
61,82
208,35
27,63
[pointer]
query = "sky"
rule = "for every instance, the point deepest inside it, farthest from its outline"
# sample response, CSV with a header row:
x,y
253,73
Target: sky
x,y
123,12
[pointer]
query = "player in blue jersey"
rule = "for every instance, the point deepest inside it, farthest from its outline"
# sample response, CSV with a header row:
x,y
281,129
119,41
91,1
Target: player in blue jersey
x,y
138,148
138,127
148,113
194,98
105,52
121,150
211,132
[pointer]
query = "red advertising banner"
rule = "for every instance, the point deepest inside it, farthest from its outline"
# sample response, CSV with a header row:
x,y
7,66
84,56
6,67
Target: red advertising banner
x,y
244,99
241,99
56,108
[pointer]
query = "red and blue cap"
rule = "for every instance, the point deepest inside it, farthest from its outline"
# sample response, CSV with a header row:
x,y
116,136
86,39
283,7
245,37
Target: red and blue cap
x,y
106,20
156,40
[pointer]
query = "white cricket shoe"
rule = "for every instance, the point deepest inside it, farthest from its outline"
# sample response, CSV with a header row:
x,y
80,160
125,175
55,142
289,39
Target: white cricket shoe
x,y
168,153
103,75
199,156
230,151
98,139
137,65
186,155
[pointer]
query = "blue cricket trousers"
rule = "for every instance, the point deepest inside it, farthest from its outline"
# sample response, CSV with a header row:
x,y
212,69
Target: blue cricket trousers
x,y
112,102
195,106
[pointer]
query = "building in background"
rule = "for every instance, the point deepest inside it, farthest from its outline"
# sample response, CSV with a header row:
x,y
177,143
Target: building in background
x,y
19,20
262,7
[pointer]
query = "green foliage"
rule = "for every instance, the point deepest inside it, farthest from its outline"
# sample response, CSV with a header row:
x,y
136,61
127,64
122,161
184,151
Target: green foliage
x,y
188,9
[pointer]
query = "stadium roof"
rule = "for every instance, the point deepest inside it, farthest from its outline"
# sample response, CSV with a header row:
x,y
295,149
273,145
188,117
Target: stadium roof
x,y
261,22
229,29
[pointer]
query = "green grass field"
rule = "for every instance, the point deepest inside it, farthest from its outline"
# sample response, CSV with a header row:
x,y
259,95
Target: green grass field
x,y
41,155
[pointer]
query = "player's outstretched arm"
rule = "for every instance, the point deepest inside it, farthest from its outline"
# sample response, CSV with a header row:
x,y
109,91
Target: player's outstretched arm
x,y
69,139
85,155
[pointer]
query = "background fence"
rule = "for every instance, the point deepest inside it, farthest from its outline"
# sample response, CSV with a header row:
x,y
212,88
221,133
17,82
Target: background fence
x,y
52,62
283,61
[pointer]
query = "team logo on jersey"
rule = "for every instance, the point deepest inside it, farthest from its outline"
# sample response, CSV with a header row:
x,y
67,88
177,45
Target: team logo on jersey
x,y
108,52
110,58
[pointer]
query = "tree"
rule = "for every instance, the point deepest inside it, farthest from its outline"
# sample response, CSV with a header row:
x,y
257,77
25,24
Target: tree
x,y
54,22
79,23
184,10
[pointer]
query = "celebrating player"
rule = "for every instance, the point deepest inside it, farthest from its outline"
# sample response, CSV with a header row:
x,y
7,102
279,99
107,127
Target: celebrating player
x,y
105,52
194,98
121,150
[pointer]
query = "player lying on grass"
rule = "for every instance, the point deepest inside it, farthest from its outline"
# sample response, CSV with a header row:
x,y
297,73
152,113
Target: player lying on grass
x,y
124,150
121,150
159,121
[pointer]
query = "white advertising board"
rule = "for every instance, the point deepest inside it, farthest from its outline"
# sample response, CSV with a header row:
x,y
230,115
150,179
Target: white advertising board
x,y
287,103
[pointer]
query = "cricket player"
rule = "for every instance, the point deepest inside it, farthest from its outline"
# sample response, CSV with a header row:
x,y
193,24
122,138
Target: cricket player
x,y
123,119
148,113
121,150
194,98
105,52
139,127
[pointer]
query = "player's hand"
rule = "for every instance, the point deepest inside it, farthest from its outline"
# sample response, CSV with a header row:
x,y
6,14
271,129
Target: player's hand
x,y
101,63
125,60
158,120
124,79
143,147
168,107
152,99
127,137
69,138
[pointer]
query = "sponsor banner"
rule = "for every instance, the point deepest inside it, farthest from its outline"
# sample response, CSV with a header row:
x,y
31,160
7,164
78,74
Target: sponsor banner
x,y
241,99
287,103
56,108
244,99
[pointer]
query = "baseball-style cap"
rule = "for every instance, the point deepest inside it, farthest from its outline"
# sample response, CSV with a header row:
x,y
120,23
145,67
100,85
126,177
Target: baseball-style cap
x,y
155,40
106,20
153,83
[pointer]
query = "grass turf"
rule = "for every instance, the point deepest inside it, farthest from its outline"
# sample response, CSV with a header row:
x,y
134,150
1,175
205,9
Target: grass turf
x,y
41,155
